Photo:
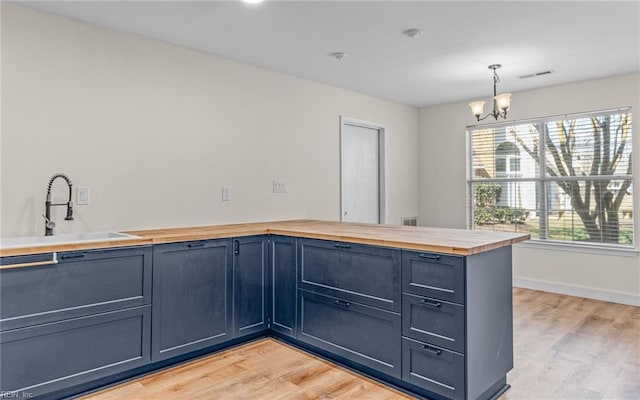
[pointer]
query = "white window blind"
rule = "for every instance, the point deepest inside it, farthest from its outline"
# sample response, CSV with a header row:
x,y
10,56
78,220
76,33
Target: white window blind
x,y
563,178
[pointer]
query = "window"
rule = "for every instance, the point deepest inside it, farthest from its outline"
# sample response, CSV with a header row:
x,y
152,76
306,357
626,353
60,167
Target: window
x,y
559,178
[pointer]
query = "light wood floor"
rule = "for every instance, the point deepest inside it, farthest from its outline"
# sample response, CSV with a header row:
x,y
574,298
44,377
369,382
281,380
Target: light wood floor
x,y
565,348
573,348
265,369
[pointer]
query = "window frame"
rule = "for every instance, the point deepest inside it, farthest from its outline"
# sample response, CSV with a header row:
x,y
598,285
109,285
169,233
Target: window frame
x,y
543,179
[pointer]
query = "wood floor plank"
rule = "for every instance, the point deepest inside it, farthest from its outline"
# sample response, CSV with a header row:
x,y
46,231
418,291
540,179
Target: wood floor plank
x,y
566,348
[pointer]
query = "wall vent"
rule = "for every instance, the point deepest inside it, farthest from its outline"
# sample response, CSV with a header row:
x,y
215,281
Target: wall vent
x,y
409,221
547,72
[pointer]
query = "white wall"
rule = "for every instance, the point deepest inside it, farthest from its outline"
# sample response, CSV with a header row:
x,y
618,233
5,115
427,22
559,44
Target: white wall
x,y
614,277
155,131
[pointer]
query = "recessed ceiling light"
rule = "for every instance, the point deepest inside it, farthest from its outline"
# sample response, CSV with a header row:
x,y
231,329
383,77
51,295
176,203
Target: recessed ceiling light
x,y
339,55
252,1
412,33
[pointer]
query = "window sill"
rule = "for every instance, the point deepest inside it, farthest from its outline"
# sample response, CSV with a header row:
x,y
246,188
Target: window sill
x,y
613,250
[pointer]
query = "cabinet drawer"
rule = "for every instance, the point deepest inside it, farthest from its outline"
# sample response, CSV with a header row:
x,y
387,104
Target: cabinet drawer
x,y
45,358
362,334
433,275
82,283
435,369
433,321
365,274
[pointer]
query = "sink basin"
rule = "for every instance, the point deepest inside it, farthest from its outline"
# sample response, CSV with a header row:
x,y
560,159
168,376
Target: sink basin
x,y
70,238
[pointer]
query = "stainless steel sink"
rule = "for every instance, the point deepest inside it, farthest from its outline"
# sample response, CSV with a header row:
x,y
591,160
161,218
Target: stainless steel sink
x,y
70,238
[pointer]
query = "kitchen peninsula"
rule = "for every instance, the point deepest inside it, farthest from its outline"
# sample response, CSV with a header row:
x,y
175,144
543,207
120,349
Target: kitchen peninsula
x,y
427,310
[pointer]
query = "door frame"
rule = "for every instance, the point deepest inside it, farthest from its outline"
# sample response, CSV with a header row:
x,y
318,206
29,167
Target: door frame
x,y
382,209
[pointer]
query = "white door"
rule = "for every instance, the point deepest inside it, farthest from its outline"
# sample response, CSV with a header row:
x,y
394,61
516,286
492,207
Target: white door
x,y
361,166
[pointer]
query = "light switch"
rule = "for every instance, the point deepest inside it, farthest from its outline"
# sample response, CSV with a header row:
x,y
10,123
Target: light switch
x,y
226,193
82,196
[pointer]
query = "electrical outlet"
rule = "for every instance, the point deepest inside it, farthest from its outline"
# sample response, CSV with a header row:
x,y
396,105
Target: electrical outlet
x,y
279,186
226,193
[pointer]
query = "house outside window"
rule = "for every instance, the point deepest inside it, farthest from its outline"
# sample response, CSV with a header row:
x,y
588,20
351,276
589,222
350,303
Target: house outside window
x,y
575,187
508,166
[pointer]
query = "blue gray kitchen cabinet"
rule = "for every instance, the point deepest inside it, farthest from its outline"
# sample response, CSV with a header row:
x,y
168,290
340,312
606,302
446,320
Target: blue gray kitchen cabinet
x,y
42,359
364,335
433,275
250,285
437,325
282,253
457,323
433,368
81,283
349,302
85,318
434,321
368,275
192,296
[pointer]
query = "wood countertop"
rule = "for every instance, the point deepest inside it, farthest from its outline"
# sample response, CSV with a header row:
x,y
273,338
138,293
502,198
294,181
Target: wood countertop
x,y
439,240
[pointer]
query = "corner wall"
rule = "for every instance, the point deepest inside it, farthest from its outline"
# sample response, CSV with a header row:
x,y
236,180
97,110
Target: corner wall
x,y
156,130
602,275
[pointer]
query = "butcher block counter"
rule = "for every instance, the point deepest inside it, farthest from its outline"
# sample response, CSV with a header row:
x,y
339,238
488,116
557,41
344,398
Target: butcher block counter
x,y
440,240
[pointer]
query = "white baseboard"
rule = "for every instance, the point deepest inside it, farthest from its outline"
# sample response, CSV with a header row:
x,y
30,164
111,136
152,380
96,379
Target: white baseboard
x,y
578,291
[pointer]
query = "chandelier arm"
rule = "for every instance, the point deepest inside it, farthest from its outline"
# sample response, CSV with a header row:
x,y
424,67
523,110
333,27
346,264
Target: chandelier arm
x,y
483,118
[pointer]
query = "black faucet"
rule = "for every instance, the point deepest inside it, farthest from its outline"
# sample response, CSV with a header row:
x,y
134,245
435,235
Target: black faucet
x,y
48,224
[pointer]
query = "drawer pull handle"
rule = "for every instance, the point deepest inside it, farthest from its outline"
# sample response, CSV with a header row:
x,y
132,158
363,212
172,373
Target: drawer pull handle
x,y
430,256
53,261
431,303
192,245
72,255
342,245
430,349
343,303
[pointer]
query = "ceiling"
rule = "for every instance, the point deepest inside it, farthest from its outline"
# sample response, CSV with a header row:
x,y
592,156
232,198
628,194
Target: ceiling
x,y
578,40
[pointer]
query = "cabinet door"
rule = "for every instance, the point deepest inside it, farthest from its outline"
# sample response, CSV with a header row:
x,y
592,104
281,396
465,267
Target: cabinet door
x,y
368,275
249,284
364,335
192,303
44,358
283,284
81,283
